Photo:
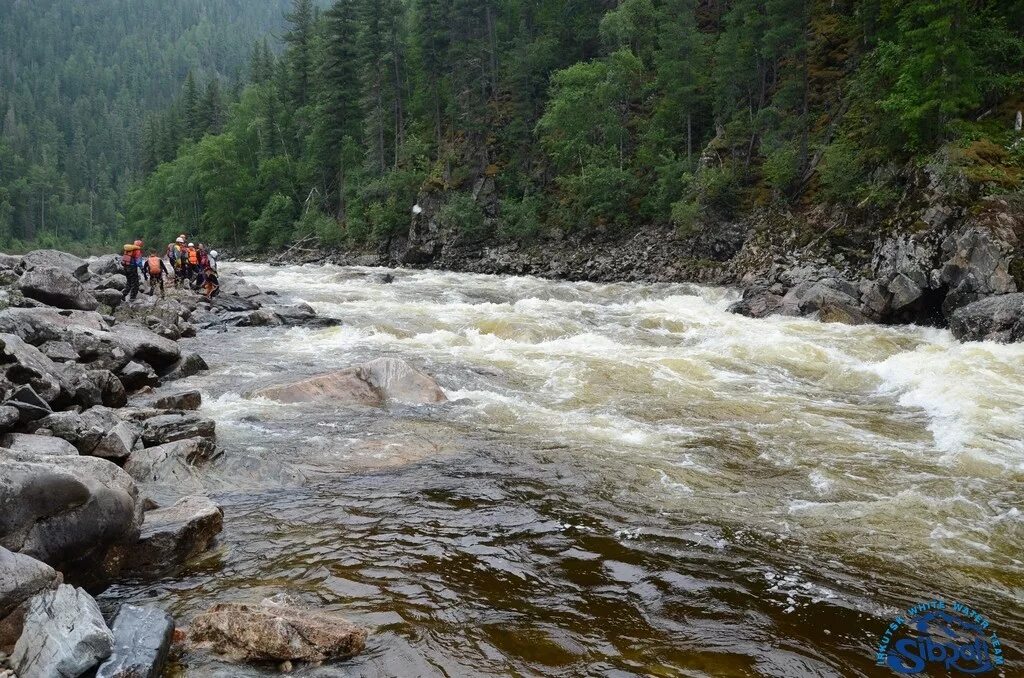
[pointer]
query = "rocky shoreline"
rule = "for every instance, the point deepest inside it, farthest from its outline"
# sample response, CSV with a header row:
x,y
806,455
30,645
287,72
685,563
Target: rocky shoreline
x,y
942,257
97,476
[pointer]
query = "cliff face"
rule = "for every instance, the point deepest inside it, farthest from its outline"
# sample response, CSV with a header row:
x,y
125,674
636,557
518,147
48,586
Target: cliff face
x,y
939,250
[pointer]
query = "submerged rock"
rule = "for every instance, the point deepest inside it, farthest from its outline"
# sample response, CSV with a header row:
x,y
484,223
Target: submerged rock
x,y
64,635
276,630
171,536
373,383
142,641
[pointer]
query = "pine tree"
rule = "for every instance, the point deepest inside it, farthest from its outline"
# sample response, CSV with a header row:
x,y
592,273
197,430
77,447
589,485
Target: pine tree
x,y
212,109
190,108
299,39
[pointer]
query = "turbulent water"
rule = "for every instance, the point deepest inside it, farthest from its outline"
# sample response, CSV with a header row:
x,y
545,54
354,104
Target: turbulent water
x,y
628,481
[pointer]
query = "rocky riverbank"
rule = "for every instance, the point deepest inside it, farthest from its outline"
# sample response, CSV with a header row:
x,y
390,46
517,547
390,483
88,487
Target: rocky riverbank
x,y
942,256
97,477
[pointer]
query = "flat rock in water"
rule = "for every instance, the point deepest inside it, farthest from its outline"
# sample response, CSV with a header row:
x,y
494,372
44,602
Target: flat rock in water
x,y
171,536
169,470
187,400
43,446
56,287
187,366
64,635
372,383
142,641
276,630
167,428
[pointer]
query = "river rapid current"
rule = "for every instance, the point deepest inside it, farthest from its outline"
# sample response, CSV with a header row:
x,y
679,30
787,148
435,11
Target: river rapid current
x,y
628,480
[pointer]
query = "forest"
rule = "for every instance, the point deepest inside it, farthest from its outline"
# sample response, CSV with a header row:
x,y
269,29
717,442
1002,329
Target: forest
x,y
78,82
582,115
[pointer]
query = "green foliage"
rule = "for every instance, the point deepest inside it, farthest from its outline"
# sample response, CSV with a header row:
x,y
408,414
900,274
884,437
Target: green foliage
x,y
520,219
462,214
273,228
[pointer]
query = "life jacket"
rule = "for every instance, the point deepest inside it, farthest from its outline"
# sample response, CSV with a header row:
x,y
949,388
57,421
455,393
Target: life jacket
x,y
127,259
154,265
193,256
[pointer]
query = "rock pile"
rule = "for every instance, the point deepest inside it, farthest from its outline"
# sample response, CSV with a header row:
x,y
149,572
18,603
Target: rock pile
x,y
73,456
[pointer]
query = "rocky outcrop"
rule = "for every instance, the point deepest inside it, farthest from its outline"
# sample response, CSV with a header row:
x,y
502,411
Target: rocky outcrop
x,y
142,642
372,384
998,318
275,630
170,470
186,400
21,578
173,535
64,635
38,446
166,428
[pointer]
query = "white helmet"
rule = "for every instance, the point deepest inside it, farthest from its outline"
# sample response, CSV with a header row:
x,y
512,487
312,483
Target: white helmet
x,y
213,254
191,245
181,240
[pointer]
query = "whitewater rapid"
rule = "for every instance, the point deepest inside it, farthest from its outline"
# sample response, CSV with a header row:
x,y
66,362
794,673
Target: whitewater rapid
x,y
755,495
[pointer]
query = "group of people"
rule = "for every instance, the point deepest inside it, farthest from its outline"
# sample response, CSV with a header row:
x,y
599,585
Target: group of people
x,y
190,265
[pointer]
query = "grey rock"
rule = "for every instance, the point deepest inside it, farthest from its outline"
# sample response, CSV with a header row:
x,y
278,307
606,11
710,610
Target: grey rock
x,y
68,263
56,287
118,443
230,302
171,536
109,297
999,318
904,291
27,365
64,635
112,393
85,435
22,577
809,297
142,641
104,265
74,513
135,375
39,325
59,351
8,417
189,365
142,344
170,470
29,405
757,302
262,317
186,400
372,384
43,446
167,428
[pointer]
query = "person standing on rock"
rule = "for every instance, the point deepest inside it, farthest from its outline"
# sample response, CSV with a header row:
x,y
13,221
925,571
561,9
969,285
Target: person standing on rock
x,y
131,263
178,260
155,270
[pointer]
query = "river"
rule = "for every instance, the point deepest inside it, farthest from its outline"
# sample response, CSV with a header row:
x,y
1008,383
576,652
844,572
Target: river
x,y
628,480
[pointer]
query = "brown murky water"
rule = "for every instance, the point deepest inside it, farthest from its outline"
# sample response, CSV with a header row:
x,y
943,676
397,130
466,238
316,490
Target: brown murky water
x,y
628,481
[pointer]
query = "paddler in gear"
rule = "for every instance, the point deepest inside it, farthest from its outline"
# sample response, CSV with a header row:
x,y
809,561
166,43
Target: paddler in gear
x,y
131,262
155,270
211,283
193,261
178,260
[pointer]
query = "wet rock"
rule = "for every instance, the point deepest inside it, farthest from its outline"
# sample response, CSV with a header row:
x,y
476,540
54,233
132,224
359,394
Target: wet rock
x,y
135,375
169,470
56,287
64,635
142,642
171,536
43,446
296,314
74,513
276,630
757,302
118,443
59,351
904,292
809,297
168,428
233,303
262,317
373,384
189,365
187,400
999,318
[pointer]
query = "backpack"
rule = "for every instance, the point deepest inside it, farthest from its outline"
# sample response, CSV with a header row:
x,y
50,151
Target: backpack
x,y
193,256
154,265
127,259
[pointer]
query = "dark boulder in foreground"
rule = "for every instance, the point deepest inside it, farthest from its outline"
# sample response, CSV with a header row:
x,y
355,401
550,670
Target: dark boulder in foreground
x,y
999,318
58,288
373,384
276,630
64,635
142,641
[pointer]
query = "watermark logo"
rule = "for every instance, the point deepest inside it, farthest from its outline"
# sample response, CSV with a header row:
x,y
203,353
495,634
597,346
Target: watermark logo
x,y
936,632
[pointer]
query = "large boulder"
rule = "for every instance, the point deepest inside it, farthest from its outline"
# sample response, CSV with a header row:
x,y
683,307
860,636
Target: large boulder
x,y
142,641
28,404
135,376
171,536
112,393
189,365
276,630
68,263
21,578
999,318
105,266
64,635
373,384
41,446
141,344
167,428
25,364
809,297
76,514
186,400
39,325
167,471
56,287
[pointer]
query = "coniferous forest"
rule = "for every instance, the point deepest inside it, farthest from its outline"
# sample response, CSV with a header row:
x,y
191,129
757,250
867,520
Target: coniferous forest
x,y
586,115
